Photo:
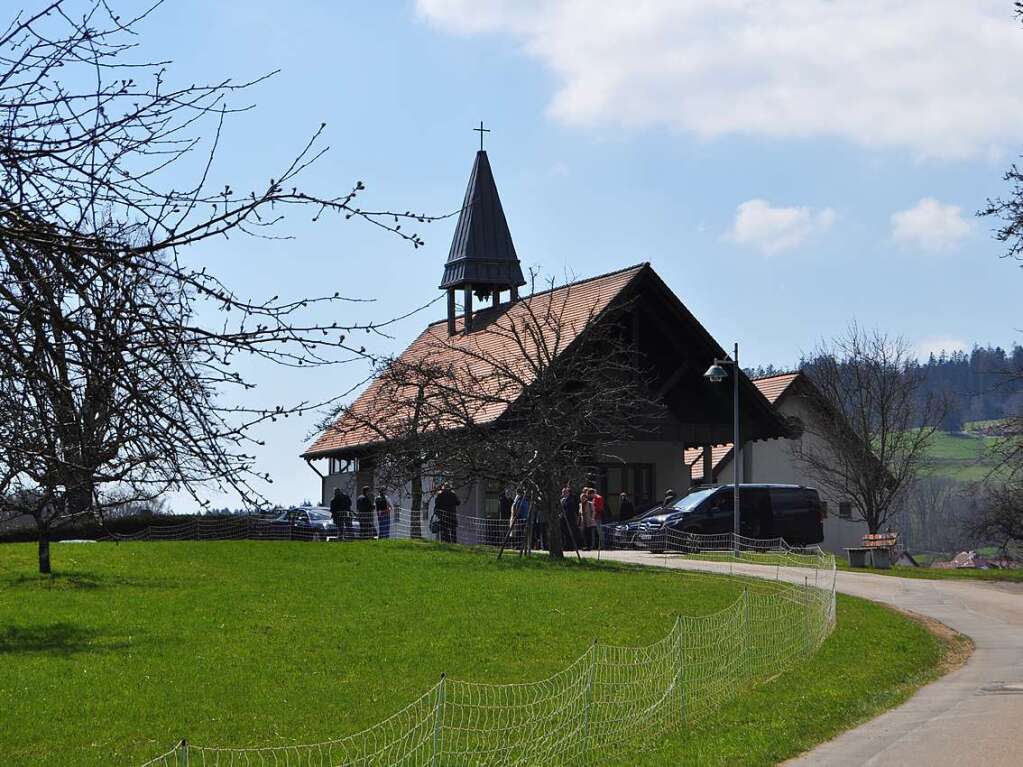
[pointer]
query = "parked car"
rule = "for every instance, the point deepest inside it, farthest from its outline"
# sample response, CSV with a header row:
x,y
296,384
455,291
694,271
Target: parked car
x,y
622,534
312,523
792,512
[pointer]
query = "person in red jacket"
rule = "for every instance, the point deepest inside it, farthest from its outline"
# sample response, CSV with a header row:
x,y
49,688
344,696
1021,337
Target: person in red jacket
x,y
598,514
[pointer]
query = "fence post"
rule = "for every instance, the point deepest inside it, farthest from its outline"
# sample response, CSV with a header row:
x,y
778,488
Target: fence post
x,y
587,700
438,716
680,670
747,632
182,755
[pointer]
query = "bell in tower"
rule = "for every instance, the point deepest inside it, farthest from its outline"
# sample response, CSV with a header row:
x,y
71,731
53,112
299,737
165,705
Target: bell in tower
x,y
482,259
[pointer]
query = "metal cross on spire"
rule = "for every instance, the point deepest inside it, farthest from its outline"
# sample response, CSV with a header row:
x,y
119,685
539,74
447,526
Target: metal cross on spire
x,y
481,130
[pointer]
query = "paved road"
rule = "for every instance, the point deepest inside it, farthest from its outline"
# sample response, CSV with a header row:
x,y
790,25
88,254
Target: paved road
x,y
971,716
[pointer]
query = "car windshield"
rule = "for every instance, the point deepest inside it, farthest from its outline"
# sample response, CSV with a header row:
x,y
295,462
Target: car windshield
x,y
694,499
319,516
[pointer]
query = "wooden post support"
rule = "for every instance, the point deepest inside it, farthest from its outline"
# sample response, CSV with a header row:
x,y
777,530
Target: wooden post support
x,y
467,308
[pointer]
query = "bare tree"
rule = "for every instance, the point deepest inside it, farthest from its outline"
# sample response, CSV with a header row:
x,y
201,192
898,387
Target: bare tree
x,y
932,517
1009,213
113,380
1009,210
1000,518
870,441
533,397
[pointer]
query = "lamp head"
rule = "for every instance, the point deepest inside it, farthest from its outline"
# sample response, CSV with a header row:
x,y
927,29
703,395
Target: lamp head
x,y
716,374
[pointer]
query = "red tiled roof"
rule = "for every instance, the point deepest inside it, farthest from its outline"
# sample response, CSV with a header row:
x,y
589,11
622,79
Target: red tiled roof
x,y
588,299
694,458
773,388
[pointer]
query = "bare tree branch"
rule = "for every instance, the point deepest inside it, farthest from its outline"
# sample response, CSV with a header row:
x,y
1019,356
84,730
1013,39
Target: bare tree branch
x,y
115,384
870,441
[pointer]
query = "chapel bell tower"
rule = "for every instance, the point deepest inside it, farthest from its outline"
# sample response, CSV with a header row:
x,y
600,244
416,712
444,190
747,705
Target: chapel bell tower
x,y
482,259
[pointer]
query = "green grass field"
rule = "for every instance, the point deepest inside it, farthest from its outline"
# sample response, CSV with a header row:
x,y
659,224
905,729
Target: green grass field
x,y
132,647
967,456
936,573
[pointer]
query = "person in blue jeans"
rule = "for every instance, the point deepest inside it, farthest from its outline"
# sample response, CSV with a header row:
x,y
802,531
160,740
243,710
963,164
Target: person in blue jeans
x,y
383,508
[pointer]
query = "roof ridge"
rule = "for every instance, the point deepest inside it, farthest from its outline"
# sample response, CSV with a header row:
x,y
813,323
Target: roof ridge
x,y
576,283
794,372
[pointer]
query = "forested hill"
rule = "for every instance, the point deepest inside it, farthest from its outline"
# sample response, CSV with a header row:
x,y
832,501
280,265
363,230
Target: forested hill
x,y
984,384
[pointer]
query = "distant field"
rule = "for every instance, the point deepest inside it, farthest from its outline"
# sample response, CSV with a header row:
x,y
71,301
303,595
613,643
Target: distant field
x,y
131,647
965,456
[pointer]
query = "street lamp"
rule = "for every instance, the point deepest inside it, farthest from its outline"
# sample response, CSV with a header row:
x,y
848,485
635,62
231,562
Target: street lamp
x,y
716,373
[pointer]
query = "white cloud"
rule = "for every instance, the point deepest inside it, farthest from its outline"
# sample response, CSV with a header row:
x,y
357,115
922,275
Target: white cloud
x,y
930,225
937,345
560,169
935,76
773,230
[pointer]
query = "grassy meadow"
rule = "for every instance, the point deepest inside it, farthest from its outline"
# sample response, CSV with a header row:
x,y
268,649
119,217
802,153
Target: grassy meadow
x,y
130,647
966,456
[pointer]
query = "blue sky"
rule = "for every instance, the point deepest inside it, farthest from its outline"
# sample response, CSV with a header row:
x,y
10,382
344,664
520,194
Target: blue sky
x,y
782,182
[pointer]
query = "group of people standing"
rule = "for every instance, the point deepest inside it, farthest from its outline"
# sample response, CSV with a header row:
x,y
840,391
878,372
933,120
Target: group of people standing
x,y
586,511
583,513
589,516
374,514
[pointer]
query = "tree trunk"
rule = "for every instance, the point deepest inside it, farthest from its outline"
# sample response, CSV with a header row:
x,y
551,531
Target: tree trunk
x,y
44,550
873,523
555,547
416,529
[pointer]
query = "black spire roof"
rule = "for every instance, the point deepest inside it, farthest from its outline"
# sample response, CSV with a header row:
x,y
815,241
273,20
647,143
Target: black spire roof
x,y
482,253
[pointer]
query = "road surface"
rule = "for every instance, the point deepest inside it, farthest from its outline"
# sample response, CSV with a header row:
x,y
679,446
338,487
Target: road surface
x,y
972,716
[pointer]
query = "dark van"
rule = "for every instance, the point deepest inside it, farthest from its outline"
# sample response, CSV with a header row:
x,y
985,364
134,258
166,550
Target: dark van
x,y
792,512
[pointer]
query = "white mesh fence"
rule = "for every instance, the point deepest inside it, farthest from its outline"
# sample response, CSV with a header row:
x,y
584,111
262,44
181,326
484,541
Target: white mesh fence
x,y
611,700
470,531
399,524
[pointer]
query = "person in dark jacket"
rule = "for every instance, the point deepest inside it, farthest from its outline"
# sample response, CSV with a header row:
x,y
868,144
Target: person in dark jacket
x,y
504,507
364,508
341,513
383,509
626,510
445,506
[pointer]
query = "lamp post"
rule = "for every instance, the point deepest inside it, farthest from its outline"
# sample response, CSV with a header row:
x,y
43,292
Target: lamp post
x,y
716,373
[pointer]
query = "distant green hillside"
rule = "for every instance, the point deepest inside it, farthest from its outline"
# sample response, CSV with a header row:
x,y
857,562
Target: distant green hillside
x,y
965,456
